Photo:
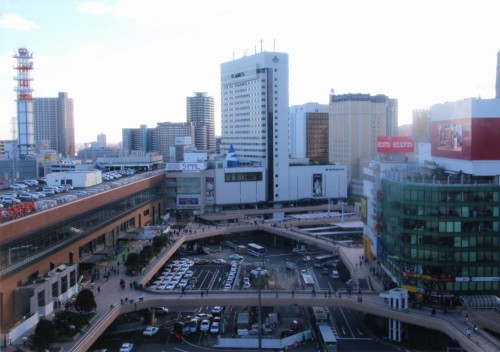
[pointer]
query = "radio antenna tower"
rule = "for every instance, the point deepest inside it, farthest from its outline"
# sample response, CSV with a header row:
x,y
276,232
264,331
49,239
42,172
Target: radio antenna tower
x,y
25,122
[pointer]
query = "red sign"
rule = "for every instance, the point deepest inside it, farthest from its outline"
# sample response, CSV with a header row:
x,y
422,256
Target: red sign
x,y
395,144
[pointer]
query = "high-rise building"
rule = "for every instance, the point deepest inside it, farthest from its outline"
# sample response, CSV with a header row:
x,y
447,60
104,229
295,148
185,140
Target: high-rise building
x,y
138,139
254,94
54,124
356,120
25,120
171,135
309,132
200,112
101,140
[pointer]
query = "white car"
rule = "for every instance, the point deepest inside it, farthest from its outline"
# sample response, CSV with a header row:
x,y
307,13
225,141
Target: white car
x,y
150,331
27,196
214,329
235,256
205,325
126,347
217,310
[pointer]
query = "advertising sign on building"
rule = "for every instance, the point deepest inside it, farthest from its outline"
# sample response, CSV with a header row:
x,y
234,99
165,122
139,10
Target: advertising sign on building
x,y
395,144
317,185
183,140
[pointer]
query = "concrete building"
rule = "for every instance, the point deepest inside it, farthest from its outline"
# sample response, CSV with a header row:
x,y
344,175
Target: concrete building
x,y
54,124
200,112
101,140
168,134
356,120
254,93
138,139
309,132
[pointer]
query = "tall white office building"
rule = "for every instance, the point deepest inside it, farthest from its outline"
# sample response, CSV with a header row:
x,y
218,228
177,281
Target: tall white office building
x,y
254,93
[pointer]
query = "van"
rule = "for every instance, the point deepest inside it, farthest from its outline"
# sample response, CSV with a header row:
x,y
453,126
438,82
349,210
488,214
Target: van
x,y
335,274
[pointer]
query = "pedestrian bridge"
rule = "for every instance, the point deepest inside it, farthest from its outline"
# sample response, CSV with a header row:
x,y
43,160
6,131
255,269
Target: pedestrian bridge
x,y
451,324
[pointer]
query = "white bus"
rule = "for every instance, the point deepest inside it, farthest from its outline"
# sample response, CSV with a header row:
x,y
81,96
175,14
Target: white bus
x,y
308,281
327,338
256,250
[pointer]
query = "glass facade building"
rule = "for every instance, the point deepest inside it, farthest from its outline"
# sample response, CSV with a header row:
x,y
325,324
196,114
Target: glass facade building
x,y
441,240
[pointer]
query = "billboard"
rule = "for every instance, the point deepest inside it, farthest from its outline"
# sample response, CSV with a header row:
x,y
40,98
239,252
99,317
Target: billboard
x,y
188,201
317,185
451,139
364,204
210,181
395,144
454,138
183,140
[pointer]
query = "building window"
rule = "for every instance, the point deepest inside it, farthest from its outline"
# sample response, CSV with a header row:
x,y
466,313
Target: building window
x,y
72,278
41,298
64,284
55,289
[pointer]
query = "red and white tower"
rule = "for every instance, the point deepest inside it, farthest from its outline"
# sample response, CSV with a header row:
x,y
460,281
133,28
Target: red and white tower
x,y
25,123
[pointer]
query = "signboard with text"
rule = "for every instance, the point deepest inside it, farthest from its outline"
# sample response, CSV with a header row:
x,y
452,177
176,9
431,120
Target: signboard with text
x,y
395,144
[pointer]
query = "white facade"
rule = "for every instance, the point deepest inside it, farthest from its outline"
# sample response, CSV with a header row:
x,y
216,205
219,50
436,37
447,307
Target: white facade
x,y
235,185
298,127
318,181
254,93
78,179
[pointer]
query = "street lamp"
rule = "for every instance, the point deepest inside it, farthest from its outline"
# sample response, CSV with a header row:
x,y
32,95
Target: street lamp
x,y
259,272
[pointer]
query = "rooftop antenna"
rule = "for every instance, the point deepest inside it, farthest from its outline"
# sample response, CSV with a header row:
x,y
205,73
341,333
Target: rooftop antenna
x,y
261,42
274,45
245,54
255,49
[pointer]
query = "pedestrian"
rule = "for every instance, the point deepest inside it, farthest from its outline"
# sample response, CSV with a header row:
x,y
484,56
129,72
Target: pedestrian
x,y
293,293
329,292
98,289
326,293
201,293
468,333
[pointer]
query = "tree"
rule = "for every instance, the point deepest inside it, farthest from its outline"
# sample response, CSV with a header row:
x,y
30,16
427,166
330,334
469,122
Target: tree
x,y
44,336
85,301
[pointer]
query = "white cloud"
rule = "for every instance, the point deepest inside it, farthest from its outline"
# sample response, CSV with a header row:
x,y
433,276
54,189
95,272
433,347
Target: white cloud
x,y
14,21
95,8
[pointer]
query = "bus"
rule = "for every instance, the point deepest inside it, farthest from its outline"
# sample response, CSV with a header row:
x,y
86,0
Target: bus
x,y
308,281
320,260
320,315
327,338
256,250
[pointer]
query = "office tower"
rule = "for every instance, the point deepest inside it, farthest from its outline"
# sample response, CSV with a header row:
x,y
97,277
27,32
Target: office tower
x,y
101,140
25,123
498,76
172,134
254,94
309,132
54,124
200,112
356,120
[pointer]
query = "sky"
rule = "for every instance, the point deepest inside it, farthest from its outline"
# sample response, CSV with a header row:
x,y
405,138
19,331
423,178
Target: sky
x,y
126,63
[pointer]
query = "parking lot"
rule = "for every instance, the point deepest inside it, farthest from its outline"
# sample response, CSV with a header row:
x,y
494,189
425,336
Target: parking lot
x,y
209,273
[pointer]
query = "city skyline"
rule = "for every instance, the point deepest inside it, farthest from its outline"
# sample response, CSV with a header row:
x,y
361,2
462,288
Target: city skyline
x,y
125,65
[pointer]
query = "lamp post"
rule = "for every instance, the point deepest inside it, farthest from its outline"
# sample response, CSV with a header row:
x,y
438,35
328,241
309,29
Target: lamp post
x,y
259,273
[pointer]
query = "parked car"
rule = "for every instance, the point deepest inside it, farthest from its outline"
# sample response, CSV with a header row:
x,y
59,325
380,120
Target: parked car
x,y
18,187
23,196
205,325
150,331
126,347
214,329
